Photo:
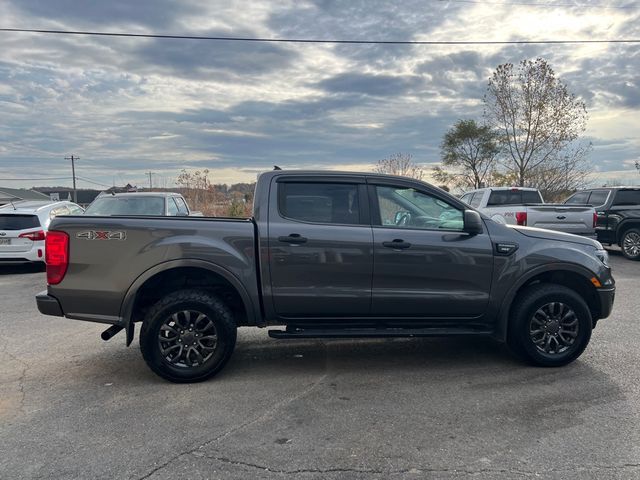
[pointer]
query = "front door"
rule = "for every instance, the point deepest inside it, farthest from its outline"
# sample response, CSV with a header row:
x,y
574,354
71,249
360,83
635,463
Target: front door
x,y
320,244
425,265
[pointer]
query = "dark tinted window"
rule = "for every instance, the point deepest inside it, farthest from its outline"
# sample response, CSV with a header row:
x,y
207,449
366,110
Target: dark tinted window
x,y
126,206
18,222
531,197
320,202
579,198
598,197
627,197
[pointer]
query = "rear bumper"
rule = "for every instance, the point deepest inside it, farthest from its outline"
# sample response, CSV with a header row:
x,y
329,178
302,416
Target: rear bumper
x,y
607,296
48,305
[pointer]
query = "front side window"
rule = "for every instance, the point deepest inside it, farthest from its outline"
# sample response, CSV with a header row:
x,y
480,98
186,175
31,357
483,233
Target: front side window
x,y
580,198
182,206
477,199
409,208
319,202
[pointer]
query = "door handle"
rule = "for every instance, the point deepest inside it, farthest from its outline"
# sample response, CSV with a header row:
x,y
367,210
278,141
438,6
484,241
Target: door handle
x,y
397,244
294,238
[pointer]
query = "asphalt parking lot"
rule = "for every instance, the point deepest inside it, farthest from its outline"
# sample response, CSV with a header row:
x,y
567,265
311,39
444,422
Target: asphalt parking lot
x,y
73,406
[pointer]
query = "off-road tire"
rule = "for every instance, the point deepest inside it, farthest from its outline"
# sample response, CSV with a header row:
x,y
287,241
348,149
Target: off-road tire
x,y
521,325
202,301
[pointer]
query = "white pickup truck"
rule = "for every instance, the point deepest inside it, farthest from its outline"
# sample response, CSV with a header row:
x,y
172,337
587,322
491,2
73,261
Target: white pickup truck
x,y
525,206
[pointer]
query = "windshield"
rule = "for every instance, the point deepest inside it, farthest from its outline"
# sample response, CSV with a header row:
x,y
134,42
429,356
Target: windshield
x,y
126,206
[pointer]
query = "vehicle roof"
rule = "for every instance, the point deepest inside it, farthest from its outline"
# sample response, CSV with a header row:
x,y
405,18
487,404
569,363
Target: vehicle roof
x,y
495,189
141,194
630,187
31,207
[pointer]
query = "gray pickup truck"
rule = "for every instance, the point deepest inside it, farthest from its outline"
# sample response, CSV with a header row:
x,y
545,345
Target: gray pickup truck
x,y
327,255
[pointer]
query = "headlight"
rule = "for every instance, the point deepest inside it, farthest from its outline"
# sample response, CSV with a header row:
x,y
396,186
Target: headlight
x,y
603,256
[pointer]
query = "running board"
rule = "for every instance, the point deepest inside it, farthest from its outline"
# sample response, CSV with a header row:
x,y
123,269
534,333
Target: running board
x,y
374,332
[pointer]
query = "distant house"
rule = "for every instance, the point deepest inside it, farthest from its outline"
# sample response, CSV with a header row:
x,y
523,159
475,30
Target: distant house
x,y
8,195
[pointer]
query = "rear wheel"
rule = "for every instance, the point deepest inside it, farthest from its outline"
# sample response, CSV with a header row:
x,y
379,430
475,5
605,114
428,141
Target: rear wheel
x,y
188,336
630,244
550,325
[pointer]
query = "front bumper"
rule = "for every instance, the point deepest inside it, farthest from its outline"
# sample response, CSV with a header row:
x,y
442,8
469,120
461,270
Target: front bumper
x,y
48,305
607,296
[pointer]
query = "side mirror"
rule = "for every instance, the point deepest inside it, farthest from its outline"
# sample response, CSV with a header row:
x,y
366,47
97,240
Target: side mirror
x,y
472,222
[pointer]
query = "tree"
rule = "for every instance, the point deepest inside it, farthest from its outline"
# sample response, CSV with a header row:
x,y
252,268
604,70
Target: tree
x,y
401,164
537,117
472,149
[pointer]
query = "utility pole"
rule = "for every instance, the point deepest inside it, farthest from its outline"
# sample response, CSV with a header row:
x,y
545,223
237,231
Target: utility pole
x,y
73,172
150,183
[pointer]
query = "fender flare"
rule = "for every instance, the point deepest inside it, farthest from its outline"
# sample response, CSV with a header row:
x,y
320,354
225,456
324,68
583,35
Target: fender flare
x,y
507,301
126,308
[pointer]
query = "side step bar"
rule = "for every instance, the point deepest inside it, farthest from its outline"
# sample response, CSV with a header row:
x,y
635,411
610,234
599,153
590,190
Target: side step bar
x,y
373,332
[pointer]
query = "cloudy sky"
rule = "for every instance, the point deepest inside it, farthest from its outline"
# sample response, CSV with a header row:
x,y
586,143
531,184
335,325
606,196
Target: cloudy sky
x,y
128,106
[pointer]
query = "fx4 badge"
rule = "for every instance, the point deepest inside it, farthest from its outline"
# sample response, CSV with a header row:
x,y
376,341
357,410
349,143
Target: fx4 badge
x,y
102,235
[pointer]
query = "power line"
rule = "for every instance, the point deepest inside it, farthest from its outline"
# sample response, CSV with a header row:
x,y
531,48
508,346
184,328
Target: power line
x,y
84,179
545,5
41,178
315,40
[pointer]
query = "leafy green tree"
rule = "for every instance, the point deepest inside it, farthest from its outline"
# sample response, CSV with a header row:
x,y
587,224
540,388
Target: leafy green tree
x,y
472,150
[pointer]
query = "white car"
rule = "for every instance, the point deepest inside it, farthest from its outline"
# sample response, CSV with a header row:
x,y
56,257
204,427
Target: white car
x,y
23,226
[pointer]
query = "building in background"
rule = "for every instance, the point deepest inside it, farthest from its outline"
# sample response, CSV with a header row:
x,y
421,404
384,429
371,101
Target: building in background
x,y
8,195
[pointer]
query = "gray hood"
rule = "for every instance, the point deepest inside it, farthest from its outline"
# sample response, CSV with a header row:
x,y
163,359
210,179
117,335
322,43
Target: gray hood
x,y
553,235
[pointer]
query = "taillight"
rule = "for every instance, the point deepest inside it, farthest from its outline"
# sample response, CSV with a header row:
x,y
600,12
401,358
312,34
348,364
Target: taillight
x,y
595,219
56,254
35,236
521,218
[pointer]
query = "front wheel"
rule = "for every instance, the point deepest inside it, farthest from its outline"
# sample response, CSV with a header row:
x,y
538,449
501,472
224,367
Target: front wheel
x,y
630,244
188,336
550,325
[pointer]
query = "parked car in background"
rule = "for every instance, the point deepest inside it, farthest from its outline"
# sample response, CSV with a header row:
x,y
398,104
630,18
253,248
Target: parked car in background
x,y
618,211
525,206
163,204
23,226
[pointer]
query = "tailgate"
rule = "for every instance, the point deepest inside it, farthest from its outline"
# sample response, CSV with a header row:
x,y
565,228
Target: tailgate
x,y
562,218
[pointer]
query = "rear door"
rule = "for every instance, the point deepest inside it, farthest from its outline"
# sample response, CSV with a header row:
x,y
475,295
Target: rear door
x,y
424,264
320,240
11,227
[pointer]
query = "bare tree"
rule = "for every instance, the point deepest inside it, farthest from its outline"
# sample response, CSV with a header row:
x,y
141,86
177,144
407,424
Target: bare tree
x,y
401,164
472,149
538,119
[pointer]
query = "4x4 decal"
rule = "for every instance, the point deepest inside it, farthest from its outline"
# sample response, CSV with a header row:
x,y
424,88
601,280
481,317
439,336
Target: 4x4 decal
x,y
102,235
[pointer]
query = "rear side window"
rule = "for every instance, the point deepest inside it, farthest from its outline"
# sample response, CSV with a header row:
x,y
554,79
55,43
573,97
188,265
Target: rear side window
x,y
319,202
182,206
172,207
627,197
580,198
513,197
18,222
598,198
531,197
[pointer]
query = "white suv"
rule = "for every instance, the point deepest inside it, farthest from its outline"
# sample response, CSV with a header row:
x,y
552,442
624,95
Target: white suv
x,y
23,226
